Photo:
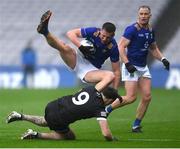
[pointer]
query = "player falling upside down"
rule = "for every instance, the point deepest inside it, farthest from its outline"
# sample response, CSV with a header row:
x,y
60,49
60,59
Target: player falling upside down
x,y
87,63
86,103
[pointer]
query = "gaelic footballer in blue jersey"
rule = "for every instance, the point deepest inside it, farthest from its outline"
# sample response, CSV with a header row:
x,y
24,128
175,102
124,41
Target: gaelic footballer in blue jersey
x,y
137,41
60,113
105,47
85,63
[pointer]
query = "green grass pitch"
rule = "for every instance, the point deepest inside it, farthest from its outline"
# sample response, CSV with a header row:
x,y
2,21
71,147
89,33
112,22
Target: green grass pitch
x,y
161,125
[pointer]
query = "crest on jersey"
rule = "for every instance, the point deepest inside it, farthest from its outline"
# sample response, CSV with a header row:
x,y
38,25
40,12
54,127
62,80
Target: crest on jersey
x,y
96,34
147,35
146,45
151,36
109,46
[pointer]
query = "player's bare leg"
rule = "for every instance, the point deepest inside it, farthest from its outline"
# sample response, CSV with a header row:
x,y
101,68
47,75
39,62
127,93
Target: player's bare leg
x,y
131,88
57,135
37,120
102,78
31,134
67,53
145,90
131,94
15,116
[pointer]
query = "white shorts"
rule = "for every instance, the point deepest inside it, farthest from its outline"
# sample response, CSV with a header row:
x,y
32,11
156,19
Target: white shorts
x,y
141,72
83,66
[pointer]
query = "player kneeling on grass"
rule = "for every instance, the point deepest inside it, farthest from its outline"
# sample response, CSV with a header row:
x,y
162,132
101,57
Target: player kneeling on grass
x,y
86,103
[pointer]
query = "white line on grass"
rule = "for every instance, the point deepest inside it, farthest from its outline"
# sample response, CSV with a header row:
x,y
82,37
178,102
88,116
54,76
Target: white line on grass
x,y
155,140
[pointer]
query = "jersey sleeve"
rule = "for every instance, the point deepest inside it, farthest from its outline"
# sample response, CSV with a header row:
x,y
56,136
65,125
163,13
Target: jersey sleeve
x,y
88,32
129,32
101,115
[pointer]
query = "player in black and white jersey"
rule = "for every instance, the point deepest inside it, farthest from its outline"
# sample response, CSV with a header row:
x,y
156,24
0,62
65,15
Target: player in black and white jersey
x,y
86,103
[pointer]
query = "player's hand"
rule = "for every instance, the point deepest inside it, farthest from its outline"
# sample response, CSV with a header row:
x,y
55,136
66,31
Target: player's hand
x,y
108,138
108,109
130,67
115,139
166,63
87,51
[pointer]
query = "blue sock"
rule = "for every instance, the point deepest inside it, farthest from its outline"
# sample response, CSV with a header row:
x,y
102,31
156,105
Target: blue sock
x,y
108,109
137,122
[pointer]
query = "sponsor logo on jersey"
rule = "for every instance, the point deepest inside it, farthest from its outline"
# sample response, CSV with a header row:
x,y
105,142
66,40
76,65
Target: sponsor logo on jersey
x,y
98,94
141,35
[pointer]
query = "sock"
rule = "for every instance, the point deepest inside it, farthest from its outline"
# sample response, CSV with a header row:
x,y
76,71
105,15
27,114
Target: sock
x,y
137,122
46,32
38,135
108,109
22,116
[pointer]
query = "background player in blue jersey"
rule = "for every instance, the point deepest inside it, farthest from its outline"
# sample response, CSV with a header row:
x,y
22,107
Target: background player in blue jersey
x,y
137,40
86,103
87,63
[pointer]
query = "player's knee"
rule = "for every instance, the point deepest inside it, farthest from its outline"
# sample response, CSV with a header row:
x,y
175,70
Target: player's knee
x,y
70,135
147,98
68,34
67,48
109,76
131,98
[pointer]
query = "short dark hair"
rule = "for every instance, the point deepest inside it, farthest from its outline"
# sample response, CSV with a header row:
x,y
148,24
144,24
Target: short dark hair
x,y
145,6
111,93
109,27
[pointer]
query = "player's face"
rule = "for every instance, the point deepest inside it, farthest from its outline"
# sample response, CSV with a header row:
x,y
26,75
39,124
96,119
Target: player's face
x,y
105,36
144,16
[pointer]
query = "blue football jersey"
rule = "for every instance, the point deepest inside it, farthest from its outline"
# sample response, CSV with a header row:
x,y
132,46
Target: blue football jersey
x,y
102,51
140,40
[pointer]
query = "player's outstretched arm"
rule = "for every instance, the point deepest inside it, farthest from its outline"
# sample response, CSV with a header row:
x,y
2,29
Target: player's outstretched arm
x,y
74,36
106,132
156,53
